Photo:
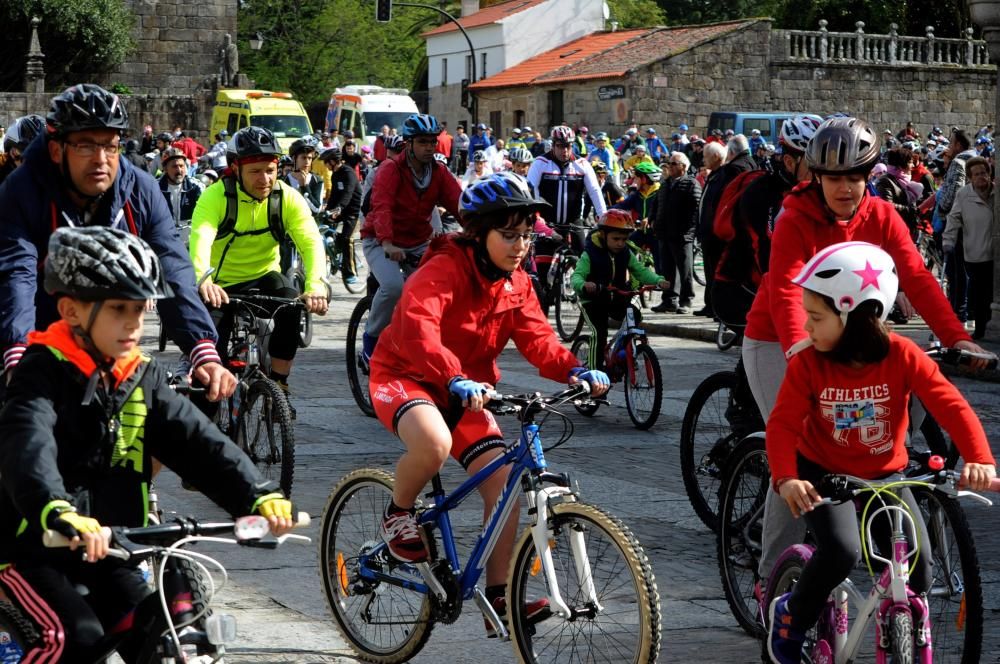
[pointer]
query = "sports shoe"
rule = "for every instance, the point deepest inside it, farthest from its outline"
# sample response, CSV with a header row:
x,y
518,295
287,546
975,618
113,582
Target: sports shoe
x,y
536,611
681,309
368,343
664,308
784,642
350,281
401,534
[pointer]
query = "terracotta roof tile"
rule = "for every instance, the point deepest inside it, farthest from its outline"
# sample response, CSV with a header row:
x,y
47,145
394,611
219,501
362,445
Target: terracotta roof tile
x,y
608,54
486,16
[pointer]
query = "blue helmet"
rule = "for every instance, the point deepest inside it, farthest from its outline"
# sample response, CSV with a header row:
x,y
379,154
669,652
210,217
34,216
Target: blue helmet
x,y
500,192
420,124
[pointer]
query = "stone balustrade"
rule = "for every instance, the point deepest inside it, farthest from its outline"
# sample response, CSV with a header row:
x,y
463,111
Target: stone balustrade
x,y
858,47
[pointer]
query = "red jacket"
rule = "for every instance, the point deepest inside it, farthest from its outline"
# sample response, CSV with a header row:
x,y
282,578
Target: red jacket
x,y
398,212
444,144
803,228
452,321
854,420
191,148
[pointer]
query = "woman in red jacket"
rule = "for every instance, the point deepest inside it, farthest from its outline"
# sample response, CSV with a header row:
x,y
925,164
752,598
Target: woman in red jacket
x,y
834,207
455,316
842,409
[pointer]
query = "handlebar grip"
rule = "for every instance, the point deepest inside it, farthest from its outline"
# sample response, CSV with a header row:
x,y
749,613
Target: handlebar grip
x,y
994,485
302,520
55,540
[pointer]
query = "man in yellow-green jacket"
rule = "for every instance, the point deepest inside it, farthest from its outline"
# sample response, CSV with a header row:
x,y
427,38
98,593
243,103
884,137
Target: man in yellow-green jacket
x,y
236,230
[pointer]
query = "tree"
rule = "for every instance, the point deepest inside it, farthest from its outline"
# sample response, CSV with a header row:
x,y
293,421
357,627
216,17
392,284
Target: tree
x,y
80,38
636,13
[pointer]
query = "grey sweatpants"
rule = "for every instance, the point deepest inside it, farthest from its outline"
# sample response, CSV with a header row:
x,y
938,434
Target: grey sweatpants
x,y
390,275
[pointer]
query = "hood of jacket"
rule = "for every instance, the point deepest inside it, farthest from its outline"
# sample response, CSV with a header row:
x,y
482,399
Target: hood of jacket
x,y
60,337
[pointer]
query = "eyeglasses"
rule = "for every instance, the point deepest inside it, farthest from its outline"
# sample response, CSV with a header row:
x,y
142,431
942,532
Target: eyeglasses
x,y
90,149
511,238
561,145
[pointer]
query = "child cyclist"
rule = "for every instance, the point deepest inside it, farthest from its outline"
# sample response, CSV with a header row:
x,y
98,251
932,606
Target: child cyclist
x,y
85,413
608,260
842,408
456,314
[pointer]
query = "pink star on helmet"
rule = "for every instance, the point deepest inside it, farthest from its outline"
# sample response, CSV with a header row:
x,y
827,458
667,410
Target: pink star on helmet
x,y
869,276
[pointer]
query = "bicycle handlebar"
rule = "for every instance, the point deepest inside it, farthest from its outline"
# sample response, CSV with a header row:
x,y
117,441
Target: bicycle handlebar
x,y
629,293
958,356
841,487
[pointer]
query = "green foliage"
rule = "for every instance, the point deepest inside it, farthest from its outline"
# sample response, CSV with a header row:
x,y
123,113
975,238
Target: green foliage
x,y
636,13
79,38
120,89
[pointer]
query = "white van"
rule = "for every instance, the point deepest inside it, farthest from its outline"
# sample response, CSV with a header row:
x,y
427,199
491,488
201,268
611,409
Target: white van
x,y
364,109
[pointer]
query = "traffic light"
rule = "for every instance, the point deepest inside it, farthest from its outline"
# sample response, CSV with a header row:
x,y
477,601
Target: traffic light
x,y
466,100
383,11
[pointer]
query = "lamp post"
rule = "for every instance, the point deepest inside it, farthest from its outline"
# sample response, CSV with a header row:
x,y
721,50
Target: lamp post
x,y
986,14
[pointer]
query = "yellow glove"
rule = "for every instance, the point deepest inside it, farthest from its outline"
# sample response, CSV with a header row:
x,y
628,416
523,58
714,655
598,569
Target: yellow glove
x,y
82,531
280,508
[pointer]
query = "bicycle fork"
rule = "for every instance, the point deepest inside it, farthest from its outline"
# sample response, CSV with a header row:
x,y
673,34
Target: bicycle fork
x,y
542,534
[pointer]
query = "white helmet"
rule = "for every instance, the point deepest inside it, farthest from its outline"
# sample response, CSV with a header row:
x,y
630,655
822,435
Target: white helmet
x,y
850,273
797,130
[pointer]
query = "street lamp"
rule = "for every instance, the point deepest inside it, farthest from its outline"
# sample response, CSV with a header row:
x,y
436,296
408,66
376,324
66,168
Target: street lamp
x,y
256,42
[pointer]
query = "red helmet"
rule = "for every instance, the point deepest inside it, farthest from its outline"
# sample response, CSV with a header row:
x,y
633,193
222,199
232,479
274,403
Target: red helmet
x,y
618,220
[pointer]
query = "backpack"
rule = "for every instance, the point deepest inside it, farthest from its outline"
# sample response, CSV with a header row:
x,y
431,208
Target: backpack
x,y
722,224
275,225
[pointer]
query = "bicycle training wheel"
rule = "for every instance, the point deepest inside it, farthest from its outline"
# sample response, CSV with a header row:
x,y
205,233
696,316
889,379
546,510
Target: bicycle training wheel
x,y
264,431
956,594
745,483
569,315
644,388
357,370
581,349
382,622
707,439
698,264
622,625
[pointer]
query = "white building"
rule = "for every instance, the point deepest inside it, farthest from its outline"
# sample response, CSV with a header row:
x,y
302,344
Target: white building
x,y
503,35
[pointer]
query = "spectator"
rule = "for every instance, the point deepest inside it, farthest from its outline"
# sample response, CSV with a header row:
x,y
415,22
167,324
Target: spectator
x,y
479,140
605,155
654,146
715,136
496,155
191,148
683,131
626,141
756,141
676,144
959,151
674,228
131,155
216,157
970,221
515,140
580,142
146,144
460,150
639,156
380,143
907,133
897,187
538,145
695,152
163,141
180,191
444,146
528,136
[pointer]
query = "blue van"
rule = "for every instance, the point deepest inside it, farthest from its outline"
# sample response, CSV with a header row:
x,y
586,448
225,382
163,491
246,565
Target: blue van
x,y
769,124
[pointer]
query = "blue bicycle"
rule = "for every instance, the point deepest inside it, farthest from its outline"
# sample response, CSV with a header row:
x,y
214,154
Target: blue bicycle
x,y
604,603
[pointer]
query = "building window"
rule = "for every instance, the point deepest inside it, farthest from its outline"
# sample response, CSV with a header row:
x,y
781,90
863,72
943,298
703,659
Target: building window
x,y
556,115
496,123
519,119
444,72
468,68
482,68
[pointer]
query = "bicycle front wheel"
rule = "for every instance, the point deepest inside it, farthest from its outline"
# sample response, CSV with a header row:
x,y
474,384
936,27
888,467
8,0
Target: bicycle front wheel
x,y
745,483
619,622
901,636
569,315
707,439
382,622
581,349
264,431
357,369
956,595
644,388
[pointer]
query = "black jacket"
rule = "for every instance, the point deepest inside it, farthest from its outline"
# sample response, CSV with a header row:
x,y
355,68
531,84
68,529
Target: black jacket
x,y
677,209
747,255
190,193
891,190
345,192
97,456
712,195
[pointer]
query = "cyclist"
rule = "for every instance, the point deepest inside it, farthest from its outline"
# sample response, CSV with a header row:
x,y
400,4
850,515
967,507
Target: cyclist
x,y
642,204
301,178
163,141
842,408
393,148
84,416
22,131
834,206
398,227
460,310
746,256
344,205
180,191
236,230
74,177
606,261
611,192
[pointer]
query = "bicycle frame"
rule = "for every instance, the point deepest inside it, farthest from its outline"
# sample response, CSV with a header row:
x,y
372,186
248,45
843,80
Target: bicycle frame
x,y
525,456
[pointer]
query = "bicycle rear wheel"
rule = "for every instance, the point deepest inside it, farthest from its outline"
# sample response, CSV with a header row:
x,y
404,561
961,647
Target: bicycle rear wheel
x,y
745,483
569,315
698,264
956,595
624,626
581,349
707,439
644,388
357,369
382,622
264,432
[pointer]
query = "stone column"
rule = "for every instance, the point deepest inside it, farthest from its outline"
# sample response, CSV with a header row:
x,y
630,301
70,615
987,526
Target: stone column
x,y
986,14
34,72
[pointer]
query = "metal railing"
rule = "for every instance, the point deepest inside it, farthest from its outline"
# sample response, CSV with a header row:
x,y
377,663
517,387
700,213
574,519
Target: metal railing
x,y
823,46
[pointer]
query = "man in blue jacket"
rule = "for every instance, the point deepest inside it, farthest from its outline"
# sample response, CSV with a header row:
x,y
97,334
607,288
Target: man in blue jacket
x,y
73,176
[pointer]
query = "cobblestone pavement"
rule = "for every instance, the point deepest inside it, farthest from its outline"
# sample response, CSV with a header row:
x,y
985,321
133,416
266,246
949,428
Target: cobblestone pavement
x,y
277,595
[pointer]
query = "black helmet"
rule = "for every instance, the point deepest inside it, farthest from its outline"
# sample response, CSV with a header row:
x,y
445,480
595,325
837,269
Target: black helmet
x,y
254,142
96,263
330,154
420,124
500,192
86,106
131,145
307,144
23,131
285,160
166,137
